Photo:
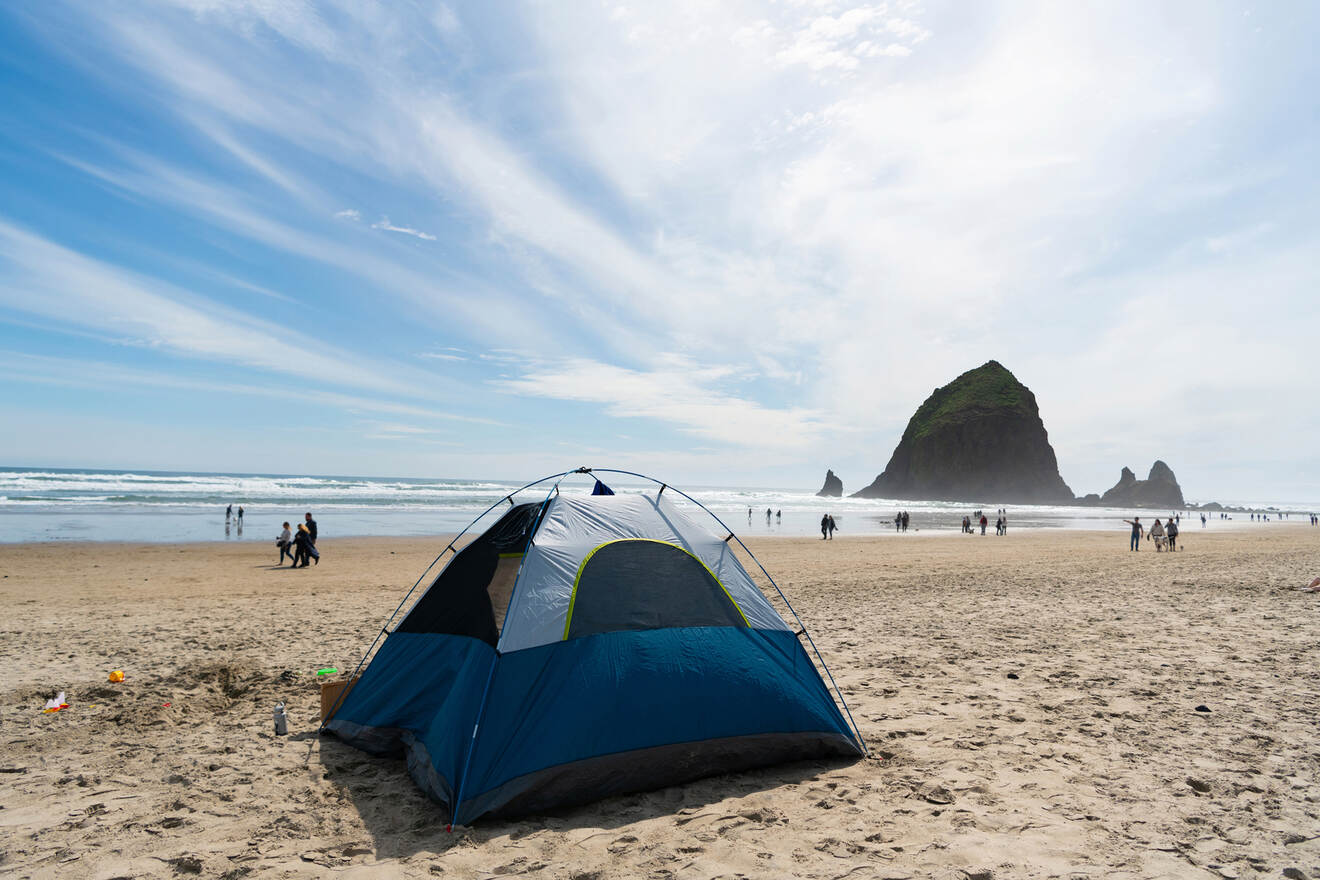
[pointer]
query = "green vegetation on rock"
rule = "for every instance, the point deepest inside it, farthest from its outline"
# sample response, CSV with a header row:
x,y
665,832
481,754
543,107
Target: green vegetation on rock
x,y
976,393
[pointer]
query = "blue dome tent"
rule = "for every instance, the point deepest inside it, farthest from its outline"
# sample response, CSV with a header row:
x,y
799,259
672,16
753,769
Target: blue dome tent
x,y
584,646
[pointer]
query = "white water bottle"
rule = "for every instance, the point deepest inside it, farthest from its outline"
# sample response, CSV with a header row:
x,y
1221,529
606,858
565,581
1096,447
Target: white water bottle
x,y
281,720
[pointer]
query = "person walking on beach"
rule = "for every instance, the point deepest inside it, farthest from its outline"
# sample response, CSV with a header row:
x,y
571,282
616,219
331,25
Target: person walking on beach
x,y
1157,535
285,543
240,514
1137,531
831,525
229,511
767,516
905,520
311,552
984,523
1171,532
898,521
302,542
824,526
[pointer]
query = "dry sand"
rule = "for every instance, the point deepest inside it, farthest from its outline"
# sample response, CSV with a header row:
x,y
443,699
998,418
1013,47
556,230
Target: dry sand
x,y
1030,701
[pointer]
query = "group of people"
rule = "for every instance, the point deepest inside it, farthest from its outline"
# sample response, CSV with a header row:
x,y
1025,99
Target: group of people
x,y
299,546
229,514
969,523
827,527
901,521
1163,535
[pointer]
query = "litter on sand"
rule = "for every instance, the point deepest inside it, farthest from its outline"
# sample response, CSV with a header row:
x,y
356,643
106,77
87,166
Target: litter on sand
x,y
329,670
117,676
56,704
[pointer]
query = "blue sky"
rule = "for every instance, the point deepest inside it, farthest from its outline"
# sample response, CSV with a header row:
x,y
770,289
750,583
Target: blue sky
x,y
730,244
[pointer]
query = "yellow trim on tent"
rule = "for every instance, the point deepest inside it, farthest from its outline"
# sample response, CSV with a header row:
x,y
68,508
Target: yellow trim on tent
x,y
572,599
511,555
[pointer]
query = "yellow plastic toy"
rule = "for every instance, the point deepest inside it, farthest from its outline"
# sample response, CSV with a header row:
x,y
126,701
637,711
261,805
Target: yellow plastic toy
x,y
117,676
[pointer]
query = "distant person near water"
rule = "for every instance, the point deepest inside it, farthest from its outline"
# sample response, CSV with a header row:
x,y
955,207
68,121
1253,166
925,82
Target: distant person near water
x,y
240,514
905,520
311,526
229,512
824,526
285,543
1171,532
831,525
1137,531
984,523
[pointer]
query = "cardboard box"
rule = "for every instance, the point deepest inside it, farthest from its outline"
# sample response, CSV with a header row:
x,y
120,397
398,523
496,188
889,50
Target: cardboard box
x,y
330,695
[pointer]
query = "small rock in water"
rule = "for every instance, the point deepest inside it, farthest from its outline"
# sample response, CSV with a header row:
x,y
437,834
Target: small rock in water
x,y
1202,708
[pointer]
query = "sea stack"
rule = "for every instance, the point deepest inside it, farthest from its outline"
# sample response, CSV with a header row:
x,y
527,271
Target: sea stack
x,y
979,438
1159,489
833,487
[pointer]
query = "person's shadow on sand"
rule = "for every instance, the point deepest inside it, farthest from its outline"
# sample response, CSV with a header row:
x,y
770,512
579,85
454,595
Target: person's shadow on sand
x,y
403,822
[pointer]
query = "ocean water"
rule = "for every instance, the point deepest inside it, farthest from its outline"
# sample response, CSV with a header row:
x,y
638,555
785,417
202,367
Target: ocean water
x,y
106,505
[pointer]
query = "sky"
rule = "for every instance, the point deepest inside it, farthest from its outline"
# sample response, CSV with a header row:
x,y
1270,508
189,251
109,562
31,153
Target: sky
x,y
725,244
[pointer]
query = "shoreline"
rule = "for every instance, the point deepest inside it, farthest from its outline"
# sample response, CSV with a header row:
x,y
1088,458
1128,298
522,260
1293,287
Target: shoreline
x,y
880,529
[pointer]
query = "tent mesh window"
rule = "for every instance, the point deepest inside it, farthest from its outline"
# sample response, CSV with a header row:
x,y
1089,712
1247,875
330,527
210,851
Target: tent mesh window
x,y
643,584
469,597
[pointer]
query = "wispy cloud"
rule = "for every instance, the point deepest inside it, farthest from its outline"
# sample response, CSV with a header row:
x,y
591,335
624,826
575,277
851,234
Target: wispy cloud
x,y
39,277
443,355
384,223
349,214
678,392
109,376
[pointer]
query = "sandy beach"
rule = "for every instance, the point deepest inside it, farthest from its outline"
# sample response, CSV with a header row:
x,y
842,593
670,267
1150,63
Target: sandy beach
x,y
1030,701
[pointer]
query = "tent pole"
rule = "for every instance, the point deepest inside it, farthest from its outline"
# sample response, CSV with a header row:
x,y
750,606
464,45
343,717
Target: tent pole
x,y
467,760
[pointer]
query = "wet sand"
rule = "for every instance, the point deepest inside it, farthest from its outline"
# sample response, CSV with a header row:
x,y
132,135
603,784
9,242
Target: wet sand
x,y
1031,703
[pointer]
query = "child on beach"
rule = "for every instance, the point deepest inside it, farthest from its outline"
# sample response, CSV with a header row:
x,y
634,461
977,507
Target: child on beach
x,y
285,543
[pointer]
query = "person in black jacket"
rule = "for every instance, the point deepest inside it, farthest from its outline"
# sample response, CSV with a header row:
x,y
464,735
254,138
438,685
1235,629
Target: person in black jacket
x,y
302,542
311,527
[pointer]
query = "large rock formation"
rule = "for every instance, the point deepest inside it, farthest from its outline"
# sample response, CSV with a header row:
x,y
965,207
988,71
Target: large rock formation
x,y
979,438
1159,489
833,487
